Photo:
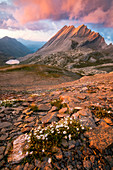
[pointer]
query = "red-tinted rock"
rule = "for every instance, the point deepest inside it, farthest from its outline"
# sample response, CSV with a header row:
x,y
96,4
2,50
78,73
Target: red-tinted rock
x,y
101,137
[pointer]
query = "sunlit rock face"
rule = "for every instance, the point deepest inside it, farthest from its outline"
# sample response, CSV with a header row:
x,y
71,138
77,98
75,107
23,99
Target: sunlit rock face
x,y
12,62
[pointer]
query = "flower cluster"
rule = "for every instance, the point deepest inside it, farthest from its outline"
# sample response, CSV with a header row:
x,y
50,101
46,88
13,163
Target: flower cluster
x,y
9,103
42,139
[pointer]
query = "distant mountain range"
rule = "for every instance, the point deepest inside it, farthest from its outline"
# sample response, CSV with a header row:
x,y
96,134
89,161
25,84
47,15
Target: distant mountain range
x,y
12,47
75,49
33,46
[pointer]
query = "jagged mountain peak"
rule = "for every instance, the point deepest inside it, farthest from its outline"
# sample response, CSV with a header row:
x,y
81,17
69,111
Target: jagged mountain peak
x,y
71,38
82,36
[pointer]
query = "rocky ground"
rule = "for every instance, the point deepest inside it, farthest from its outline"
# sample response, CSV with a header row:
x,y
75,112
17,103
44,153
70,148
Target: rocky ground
x,y
88,100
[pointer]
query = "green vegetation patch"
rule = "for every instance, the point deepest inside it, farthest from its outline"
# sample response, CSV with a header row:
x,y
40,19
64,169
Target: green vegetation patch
x,y
42,139
101,112
9,103
58,103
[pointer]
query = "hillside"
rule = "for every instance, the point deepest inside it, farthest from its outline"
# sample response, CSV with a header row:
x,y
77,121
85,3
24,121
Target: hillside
x,y
4,58
12,47
62,126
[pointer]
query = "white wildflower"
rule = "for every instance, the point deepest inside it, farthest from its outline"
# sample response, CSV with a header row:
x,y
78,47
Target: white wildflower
x,y
39,127
43,137
69,136
38,137
49,160
64,132
65,137
83,128
20,152
68,128
43,150
26,153
77,129
70,122
57,126
46,135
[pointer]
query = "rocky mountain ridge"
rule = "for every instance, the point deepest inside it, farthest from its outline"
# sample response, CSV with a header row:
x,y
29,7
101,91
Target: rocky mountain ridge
x,y
74,49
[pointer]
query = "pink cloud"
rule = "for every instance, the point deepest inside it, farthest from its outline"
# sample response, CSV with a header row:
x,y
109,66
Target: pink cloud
x,y
89,11
86,11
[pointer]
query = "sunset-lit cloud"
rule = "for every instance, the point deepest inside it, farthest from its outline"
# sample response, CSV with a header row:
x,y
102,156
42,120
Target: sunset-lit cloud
x,y
48,16
88,11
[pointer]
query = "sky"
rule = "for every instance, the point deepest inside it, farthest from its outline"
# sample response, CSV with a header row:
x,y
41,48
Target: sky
x,y
39,20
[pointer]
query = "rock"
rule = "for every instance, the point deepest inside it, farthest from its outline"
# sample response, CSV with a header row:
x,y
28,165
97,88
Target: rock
x,y
87,121
108,120
20,118
85,112
92,158
26,110
63,110
1,156
82,96
5,124
25,104
7,148
71,144
62,115
4,137
19,167
29,119
37,163
110,160
44,107
26,129
2,163
64,143
54,108
50,117
28,166
56,93
2,148
58,155
78,108
87,164
18,144
101,137
70,167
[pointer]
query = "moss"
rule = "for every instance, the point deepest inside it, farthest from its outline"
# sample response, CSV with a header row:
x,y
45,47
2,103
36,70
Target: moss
x,y
58,103
92,89
100,112
34,107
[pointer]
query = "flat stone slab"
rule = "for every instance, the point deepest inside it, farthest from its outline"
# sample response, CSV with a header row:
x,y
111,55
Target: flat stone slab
x,y
101,137
17,153
50,117
5,124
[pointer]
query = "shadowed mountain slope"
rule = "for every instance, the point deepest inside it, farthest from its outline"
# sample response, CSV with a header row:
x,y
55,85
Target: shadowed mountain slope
x,y
12,47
